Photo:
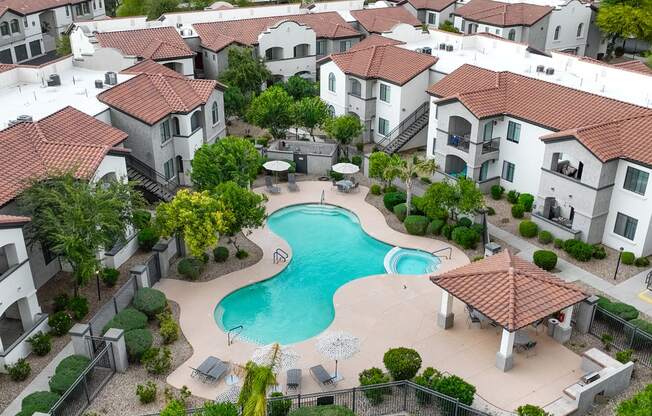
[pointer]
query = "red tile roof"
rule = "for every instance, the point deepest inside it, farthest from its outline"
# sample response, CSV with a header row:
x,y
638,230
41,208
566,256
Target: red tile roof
x,y
10,220
33,6
150,67
6,67
389,63
501,14
383,19
159,43
636,66
436,5
374,40
509,290
150,98
67,139
218,35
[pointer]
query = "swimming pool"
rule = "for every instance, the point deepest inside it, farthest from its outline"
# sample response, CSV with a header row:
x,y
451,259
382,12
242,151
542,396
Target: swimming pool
x,y
329,249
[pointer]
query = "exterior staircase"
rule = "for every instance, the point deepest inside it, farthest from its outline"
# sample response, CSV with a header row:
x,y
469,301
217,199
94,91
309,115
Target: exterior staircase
x,y
406,130
152,183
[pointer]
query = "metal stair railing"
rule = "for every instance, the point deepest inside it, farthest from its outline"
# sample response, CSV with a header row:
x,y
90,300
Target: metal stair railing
x,y
447,257
404,125
144,169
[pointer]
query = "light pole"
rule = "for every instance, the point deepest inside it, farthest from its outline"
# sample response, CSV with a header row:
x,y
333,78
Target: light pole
x,y
620,254
97,280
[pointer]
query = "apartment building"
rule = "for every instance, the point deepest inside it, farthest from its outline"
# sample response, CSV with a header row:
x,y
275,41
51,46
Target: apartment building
x,y
432,12
289,45
29,29
379,20
589,170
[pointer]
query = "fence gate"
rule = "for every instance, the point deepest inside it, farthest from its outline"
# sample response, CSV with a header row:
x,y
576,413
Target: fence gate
x,y
95,345
153,269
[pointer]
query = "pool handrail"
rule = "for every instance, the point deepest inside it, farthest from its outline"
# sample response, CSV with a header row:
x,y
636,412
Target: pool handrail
x,y
230,340
450,252
280,255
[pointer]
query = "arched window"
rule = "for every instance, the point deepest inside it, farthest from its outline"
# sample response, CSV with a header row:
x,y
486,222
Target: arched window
x,y
331,82
4,29
215,113
512,34
579,30
15,26
557,30
175,126
195,120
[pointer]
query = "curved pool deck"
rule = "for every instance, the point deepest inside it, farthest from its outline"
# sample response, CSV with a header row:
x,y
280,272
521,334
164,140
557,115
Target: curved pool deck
x,y
383,312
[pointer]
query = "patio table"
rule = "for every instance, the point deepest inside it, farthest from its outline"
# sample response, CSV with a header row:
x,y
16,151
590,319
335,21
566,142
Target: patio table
x,y
344,185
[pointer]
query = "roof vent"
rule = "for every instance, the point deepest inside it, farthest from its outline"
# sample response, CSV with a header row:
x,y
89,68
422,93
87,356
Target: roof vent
x,y
110,78
550,71
541,68
24,118
442,46
418,50
99,84
427,50
449,48
54,80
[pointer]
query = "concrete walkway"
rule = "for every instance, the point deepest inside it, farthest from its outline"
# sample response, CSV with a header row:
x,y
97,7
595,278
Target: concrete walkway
x,y
40,382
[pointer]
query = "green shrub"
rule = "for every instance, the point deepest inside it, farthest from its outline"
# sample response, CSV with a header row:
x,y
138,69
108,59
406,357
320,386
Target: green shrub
x,y
477,258
138,341
39,401
599,252
531,410
174,408
220,254
328,410
390,188
190,268
60,323
375,189
60,302
643,325
78,307
478,228
335,175
545,237
527,200
628,258
391,199
622,310
455,387
497,192
624,356
545,259
402,363
169,331
221,409
146,392
150,301
127,320
279,407
241,254
641,262
512,196
464,222
491,211
157,360
400,210
447,231
110,276
465,237
416,224
435,227
425,180
19,370
639,404
528,228
141,218
357,160
518,211
67,372
428,379
41,343
147,238
578,250
369,377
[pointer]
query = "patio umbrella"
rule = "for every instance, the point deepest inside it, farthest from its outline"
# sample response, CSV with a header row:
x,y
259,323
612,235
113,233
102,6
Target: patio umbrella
x,y
276,166
337,346
277,356
346,168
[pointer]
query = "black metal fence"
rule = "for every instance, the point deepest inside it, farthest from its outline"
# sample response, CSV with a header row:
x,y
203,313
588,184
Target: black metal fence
x,y
120,301
623,334
80,395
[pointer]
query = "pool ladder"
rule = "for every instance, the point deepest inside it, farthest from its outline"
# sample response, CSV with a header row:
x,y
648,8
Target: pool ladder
x,y
231,335
447,257
280,256
323,196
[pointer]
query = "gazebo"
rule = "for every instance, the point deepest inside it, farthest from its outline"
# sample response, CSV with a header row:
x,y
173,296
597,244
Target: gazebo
x,y
511,292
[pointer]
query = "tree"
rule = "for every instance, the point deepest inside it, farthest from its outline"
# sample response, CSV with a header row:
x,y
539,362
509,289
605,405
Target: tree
x,y
299,87
448,26
469,198
63,45
408,170
235,102
247,209
110,7
156,8
343,129
244,71
253,395
197,217
75,218
131,8
639,405
310,112
625,19
461,196
229,159
379,163
272,110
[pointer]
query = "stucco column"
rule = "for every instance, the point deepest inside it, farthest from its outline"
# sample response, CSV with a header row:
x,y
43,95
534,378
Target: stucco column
x,y
117,339
446,317
504,357
585,314
28,308
161,249
78,334
140,273
563,330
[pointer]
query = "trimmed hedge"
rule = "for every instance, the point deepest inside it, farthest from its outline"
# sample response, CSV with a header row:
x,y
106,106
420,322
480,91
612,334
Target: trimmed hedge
x,y
579,250
497,192
402,363
512,196
147,238
465,222
447,231
416,224
558,243
400,210
641,262
465,237
328,410
435,226
528,229
138,341
67,372
599,252
391,199
642,324
127,320
150,301
545,259
527,200
375,189
220,254
517,211
60,323
39,401
627,258
622,310
110,276
545,237
190,268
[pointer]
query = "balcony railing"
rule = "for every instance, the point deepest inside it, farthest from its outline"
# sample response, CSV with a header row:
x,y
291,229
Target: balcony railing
x,y
459,142
492,145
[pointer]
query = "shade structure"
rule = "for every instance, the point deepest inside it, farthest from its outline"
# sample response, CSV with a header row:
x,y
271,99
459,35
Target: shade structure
x,y
276,165
338,345
346,168
277,356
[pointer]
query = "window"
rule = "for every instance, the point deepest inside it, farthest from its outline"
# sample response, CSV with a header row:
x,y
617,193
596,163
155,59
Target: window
x,y
384,93
4,29
331,82
345,45
86,8
67,10
100,3
15,26
508,171
488,131
168,169
463,25
78,9
176,127
625,226
195,120
557,30
432,18
579,30
484,170
165,131
35,48
21,53
179,164
513,132
383,126
321,47
356,88
5,57
636,180
215,114
48,255
25,22
512,34
94,5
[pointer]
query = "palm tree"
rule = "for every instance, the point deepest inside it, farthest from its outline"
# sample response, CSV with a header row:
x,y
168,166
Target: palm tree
x,y
408,171
253,396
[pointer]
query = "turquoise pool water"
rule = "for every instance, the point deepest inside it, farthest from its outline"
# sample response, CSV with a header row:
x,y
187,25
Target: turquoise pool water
x,y
329,250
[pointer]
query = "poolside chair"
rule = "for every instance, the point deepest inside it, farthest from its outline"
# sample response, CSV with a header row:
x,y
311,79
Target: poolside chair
x,y
292,182
355,186
270,186
528,348
321,376
539,324
472,317
218,370
294,379
203,368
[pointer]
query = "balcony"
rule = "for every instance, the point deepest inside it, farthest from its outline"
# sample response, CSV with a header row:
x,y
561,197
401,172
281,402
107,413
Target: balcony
x,y
459,142
489,146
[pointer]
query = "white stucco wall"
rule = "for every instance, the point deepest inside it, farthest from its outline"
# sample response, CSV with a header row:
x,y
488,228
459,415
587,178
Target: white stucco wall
x,y
111,164
568,17
337,99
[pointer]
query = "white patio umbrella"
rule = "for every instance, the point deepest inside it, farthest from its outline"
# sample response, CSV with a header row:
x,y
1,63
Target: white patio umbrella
x,y
276,165
337,346
277,356
346,168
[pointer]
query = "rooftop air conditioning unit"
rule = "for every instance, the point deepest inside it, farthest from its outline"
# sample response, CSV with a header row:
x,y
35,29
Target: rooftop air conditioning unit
x,y
427,51
418,50
449,48
99,84
24,118
541,68
54,80
550,71
110,78
179,25
442,46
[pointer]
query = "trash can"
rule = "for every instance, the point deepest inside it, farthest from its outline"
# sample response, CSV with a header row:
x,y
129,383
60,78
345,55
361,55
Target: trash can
x,y
491,248
552,323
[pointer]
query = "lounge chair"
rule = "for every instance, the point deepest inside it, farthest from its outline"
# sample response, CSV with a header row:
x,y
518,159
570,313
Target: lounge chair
x,y
292,183
322,376
293,379
354,187
203,368
527,348
270,186
218,370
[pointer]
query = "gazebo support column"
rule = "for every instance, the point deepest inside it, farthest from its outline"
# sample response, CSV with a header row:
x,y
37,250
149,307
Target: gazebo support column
x,y
563,331
446,317
504,357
